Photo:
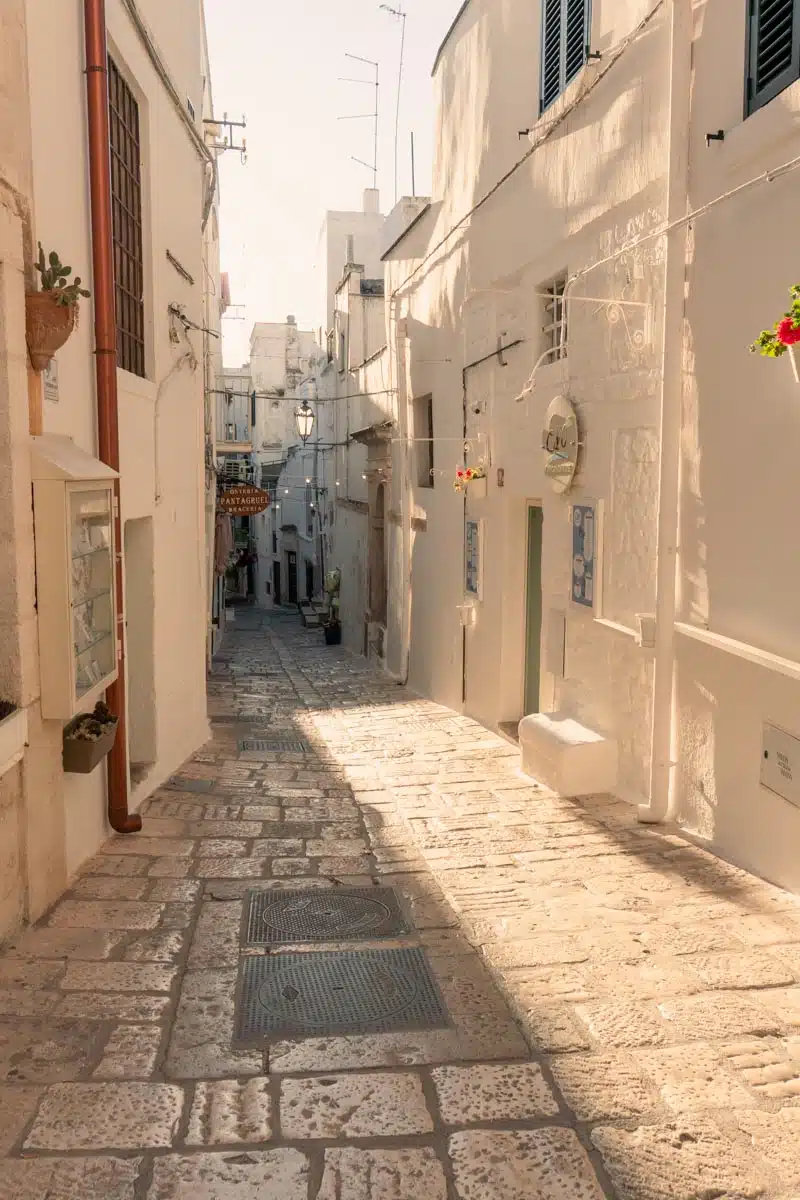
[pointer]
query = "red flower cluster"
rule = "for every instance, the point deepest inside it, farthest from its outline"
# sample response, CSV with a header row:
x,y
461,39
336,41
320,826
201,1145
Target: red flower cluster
x,y
788,332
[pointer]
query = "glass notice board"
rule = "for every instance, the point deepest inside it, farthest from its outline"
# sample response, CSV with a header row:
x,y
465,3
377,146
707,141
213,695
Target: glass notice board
x,y
92,599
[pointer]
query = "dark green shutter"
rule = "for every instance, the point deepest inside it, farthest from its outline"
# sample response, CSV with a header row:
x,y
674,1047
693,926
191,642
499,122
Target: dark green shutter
x,y
774,49
565,37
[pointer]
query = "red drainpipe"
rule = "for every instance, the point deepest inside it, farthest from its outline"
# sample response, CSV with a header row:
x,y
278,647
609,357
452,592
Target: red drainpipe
x,y
105,329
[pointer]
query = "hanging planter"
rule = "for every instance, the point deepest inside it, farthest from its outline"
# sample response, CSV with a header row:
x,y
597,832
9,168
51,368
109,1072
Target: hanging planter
x,y
88,739
13,735
467,477
52,313
784,335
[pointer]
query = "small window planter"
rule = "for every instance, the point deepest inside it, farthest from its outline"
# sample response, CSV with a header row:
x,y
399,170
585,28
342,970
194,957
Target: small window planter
x,y
88,739
13,735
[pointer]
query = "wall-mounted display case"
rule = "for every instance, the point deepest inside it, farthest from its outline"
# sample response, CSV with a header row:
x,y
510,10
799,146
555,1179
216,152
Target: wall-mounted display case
x,y
73,497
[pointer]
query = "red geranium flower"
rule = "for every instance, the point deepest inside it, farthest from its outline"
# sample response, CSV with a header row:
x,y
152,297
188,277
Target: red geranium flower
x,y
788,332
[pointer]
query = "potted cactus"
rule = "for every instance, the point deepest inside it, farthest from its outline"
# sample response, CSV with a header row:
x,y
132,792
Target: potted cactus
x,y
51,314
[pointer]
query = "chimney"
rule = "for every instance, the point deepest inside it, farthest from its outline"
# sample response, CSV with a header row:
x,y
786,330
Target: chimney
x,y
372,200
351,251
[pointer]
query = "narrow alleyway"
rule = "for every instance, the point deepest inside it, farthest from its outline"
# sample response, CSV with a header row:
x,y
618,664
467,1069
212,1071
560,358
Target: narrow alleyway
x,y
622,1010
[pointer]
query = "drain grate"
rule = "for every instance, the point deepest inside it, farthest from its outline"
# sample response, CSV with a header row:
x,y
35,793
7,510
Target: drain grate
x,y
324,915
321,994
275,745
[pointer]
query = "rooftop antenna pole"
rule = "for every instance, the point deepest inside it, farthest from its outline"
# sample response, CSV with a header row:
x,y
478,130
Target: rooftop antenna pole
x,y
401,16
413,168
374,116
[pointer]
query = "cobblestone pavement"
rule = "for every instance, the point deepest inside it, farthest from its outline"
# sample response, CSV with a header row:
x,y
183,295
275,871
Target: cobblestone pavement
x,y
625,1008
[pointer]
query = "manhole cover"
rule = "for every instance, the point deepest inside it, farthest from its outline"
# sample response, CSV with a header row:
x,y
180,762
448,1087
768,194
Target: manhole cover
x,y
318,994
274,746
326,915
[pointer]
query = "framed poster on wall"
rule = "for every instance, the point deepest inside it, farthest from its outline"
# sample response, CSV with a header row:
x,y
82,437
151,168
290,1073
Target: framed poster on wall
x,y
586,547
473,557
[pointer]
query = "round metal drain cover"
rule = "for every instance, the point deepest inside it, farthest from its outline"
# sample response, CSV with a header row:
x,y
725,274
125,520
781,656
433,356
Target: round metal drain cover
x,y
332,914
343,994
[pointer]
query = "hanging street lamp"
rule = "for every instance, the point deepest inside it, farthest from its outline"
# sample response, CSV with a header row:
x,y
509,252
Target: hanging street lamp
x,y
304,419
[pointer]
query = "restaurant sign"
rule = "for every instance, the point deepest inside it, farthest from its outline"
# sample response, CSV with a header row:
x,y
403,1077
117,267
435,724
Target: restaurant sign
x,y
244,500
560,444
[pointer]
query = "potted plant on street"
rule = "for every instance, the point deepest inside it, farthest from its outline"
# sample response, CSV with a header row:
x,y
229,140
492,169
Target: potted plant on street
x,y
51,314
88,739
333,630
13,734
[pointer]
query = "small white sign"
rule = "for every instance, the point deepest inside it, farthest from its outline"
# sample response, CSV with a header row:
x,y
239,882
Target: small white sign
x,y
50,381
780,764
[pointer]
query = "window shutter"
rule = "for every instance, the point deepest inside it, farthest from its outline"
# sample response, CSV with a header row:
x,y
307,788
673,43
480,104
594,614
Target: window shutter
x,y
565,37
576,39
551,52
774,49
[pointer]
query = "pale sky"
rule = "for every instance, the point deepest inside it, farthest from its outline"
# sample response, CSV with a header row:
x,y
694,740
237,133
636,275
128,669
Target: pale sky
x,y
280,65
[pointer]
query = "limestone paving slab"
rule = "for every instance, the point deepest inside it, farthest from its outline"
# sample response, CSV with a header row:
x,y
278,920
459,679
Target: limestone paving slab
x,y
493,1092
356,1174
684,1160
229,1112
353,1106
18,1103
70,1178
106,1116
131,1052
117,977
603,1086
545,1164
46,1051
251,1175
95,914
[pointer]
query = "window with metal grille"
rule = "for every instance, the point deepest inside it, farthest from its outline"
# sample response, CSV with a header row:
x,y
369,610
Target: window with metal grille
x,y
126,204
554,328
565,44
773,51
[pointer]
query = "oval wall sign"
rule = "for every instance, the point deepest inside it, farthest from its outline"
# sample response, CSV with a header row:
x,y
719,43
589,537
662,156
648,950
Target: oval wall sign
x,y
560,444
244,500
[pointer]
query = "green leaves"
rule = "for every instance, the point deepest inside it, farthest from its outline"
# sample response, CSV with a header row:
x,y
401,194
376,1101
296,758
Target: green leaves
x,y
768,343
55,278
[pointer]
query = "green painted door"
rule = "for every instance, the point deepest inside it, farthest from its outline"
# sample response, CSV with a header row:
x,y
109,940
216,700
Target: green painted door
x,y
533,639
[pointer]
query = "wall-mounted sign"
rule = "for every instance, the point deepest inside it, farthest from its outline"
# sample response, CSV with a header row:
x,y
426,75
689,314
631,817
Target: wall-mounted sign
x,y
560,444
244,500
584,555
780,763
50,381
473,548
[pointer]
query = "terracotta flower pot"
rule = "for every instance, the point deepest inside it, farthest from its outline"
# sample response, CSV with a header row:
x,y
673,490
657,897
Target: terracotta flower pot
x,y
47,326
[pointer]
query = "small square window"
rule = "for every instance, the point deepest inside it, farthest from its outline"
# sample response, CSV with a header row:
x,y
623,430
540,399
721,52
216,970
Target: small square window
x,y
554,324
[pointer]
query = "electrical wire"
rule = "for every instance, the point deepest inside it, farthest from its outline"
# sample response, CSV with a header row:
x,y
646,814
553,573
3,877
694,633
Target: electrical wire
x,y
600,74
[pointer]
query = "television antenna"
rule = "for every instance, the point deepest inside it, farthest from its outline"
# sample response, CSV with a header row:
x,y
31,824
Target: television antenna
x,y
371,116
401,16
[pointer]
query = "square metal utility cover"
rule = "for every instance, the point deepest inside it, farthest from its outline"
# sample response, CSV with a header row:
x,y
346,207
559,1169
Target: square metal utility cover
x,y
274,746
320,994
275,918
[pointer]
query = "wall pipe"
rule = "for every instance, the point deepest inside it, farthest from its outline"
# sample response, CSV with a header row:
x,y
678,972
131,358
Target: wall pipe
x,y
660,801
105,329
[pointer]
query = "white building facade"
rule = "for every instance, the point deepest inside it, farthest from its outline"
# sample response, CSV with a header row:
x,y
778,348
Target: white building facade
x,y
167,295
554,321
